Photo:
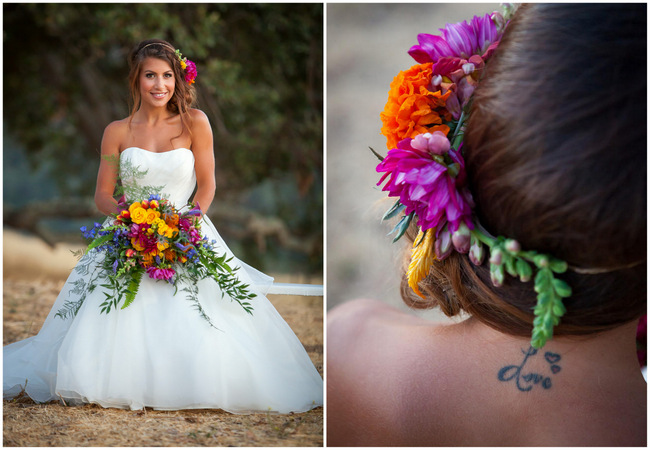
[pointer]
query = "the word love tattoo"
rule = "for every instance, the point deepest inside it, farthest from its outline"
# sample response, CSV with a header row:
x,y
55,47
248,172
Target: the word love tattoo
x,y
525,382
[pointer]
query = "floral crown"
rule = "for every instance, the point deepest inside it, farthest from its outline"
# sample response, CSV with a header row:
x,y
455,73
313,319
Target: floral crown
x,y
188,66
423,121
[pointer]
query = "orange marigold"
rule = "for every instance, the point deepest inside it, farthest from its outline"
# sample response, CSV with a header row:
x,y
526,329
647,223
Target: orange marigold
x,y
412,108
170,255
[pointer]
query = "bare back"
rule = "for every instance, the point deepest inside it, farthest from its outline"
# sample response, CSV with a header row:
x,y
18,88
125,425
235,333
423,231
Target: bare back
x,y
394,379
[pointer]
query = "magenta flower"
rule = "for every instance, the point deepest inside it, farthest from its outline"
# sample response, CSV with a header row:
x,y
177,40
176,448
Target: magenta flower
x,y
461,40
429,178
190,71
160,274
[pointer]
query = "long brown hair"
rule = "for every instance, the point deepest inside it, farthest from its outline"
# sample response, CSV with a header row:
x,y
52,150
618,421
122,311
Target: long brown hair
x,y
184,96
555,151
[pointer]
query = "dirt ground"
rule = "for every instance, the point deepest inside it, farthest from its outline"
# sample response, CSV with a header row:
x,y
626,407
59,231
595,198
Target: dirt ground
x,y
27,300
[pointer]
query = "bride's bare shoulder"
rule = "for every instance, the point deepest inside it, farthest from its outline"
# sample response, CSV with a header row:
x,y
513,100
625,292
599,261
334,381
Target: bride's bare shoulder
x,y
115,135
382,363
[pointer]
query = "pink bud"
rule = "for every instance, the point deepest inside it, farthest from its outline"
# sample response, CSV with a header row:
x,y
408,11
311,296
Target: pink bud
x,y
476,253
513,246
461,238
443,245
468,68
498,20
496,257
438,143
497,275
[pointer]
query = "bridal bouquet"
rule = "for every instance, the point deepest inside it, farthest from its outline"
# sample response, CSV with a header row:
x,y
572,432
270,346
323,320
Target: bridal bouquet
x,y
152,238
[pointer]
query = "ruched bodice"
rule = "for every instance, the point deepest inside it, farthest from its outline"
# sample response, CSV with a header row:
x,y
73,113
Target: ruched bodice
x,y
170,174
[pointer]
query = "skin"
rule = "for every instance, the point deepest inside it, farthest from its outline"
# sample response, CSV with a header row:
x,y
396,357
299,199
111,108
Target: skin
x,y
154,128
395,379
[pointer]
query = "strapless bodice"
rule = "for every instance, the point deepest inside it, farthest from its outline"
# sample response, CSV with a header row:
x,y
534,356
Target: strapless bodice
x,y
170,174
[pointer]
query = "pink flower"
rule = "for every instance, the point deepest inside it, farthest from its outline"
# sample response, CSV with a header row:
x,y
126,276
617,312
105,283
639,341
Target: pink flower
x,y
160,274
190,72
461,40
461,78
429,178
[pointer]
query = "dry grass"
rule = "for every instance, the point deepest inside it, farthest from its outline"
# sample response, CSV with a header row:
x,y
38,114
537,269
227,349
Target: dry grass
x,y
26,423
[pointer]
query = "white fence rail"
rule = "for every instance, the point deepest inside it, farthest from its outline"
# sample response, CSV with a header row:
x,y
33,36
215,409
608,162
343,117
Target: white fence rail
x,y
296,289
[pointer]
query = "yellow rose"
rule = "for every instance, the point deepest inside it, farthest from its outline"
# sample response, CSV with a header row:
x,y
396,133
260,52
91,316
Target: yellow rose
x,y
134,206
162,229
138,215
151,216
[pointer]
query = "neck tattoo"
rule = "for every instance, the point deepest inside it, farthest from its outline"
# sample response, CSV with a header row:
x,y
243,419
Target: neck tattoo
x,y
526,382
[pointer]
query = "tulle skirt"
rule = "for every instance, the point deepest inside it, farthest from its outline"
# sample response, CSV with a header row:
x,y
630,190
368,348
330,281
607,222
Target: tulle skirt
x,y
159,352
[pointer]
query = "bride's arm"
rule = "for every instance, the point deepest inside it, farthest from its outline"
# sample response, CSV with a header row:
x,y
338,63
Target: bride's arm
x,y
202,148
108,168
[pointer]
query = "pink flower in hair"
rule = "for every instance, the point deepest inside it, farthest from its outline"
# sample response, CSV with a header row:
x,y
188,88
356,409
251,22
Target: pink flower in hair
x,y
461,40
190,71
429,178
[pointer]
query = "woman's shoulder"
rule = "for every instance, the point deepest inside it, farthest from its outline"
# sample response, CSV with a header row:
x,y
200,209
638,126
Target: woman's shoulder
x,y
386,363
199,122
198,115
115,134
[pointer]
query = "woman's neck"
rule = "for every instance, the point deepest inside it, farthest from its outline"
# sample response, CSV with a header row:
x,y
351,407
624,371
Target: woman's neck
x,y
612,350
151,116
588,388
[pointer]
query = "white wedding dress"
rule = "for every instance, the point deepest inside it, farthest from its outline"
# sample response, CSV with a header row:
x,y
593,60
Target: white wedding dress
x,y
159,352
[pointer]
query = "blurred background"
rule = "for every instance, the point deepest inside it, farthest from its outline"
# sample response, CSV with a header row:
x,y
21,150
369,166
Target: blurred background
x,y
260,81
367,47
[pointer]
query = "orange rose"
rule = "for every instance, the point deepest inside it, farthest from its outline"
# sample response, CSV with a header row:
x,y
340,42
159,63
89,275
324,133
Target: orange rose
x,y
151,216
412,108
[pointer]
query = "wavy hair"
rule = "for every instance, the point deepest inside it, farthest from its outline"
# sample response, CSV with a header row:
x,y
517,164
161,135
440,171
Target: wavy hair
x,y
184,96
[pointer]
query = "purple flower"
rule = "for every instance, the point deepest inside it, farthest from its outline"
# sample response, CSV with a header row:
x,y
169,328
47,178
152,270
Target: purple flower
x,y
183,247
429,178
195,211
460,40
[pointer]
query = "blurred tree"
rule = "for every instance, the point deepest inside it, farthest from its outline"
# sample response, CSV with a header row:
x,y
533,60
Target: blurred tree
x,y
260,82
260,79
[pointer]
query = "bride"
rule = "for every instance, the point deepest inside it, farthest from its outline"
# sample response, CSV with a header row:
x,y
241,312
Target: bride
x,y
159,352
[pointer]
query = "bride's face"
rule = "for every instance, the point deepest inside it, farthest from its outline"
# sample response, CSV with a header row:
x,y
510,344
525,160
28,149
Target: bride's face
x,y
156,82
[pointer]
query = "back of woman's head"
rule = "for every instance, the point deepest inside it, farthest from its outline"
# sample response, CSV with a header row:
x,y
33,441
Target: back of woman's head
x,y
555,150
184,94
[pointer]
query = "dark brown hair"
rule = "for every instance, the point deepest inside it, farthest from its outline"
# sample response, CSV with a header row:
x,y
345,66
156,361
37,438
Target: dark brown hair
x,y
184,94
555,151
